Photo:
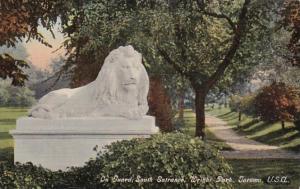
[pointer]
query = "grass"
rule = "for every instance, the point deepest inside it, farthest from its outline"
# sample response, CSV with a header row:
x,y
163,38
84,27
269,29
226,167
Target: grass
x,y
261,169
268,133
189,128
8,122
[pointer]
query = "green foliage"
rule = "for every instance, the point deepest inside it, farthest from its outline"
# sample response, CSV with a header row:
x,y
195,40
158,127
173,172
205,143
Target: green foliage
x,y
29,176
244,104
16,96
176,156
12,68
247,104
235,102
4,96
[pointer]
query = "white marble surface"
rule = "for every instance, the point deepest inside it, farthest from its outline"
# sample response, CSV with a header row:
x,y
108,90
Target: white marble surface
x,y
120,89
60,143
67,124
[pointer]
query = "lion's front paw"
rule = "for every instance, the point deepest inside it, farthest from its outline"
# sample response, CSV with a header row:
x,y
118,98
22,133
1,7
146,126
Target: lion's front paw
x,y
43,112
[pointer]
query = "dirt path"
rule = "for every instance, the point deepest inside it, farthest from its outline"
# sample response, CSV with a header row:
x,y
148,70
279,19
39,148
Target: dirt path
x,y
244,148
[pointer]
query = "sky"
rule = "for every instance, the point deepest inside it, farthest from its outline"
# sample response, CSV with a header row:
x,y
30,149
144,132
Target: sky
x,y
41,55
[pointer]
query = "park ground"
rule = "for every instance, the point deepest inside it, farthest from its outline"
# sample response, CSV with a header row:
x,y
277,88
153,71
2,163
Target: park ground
x,y
249,168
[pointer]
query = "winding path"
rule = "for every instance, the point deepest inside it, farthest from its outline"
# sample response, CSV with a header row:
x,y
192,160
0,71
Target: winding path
x,y
244,148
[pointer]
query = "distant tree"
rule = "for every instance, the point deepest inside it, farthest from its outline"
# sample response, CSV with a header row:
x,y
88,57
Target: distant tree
x,y
4,96
277,102
20,97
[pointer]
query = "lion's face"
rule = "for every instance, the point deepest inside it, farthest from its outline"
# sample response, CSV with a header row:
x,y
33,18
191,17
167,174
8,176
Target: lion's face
x,y
128,73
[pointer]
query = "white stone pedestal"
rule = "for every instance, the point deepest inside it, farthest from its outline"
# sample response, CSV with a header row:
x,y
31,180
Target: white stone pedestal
x,y
61,143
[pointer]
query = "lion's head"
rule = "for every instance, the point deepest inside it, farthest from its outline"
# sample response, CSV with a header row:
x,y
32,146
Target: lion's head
x,y
122,76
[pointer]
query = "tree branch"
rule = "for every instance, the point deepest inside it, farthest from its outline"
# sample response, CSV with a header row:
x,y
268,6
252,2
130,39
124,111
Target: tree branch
x,y
216,15
169,60
241,26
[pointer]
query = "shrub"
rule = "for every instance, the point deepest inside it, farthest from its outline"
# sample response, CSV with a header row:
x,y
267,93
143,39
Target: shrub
x,y
29,176
277,102
243,104
247,104
168,156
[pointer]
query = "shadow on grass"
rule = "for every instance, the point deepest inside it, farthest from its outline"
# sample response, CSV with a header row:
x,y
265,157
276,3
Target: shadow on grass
x,y
228,117
255,127
277,137
7,121
7,154
231,118
250,123
5,135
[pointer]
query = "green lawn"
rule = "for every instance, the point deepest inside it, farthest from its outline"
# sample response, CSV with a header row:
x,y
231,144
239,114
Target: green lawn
x,y
268,133
189,128
262,169
8,122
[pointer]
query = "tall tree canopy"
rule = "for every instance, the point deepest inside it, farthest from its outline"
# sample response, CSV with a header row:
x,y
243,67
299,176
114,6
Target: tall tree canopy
x,y
199,40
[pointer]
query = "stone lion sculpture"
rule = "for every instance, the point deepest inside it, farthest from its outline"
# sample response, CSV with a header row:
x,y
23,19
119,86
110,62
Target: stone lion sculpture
x,y
120,89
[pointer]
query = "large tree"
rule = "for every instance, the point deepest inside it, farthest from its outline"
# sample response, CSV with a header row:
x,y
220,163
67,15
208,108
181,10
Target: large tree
x,y
199,40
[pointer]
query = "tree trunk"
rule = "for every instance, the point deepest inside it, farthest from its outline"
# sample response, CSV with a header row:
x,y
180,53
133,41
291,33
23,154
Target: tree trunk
x,y
282,124
240,115
181,105
225,101
200,113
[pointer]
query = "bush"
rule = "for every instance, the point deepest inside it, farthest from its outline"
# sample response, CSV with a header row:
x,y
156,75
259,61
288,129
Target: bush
x,y
169,156
247,104
23,176
277,102
244,104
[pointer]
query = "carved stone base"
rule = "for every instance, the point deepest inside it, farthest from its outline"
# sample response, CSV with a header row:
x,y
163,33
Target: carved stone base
x,y
58,144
